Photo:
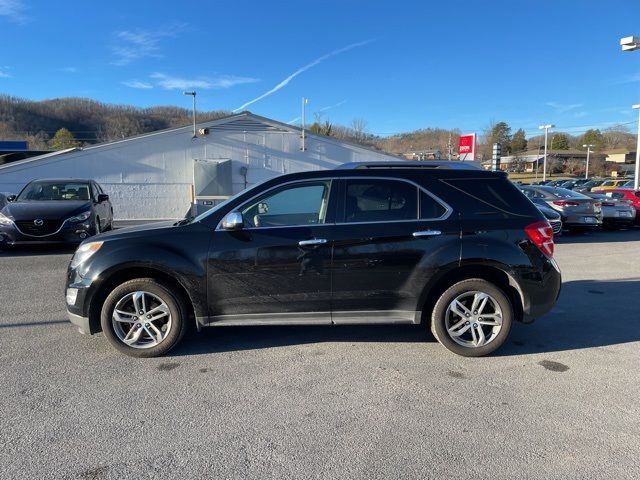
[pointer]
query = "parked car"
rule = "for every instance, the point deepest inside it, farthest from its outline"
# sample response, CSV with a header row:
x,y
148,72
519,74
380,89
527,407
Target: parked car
x,y
587,186
55,211
573,183
630,195
609,184
553,217
3,198
578,211
616,213
459,250
627,184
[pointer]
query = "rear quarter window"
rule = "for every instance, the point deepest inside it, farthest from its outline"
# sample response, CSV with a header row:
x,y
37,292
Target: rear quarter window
x,y
490,197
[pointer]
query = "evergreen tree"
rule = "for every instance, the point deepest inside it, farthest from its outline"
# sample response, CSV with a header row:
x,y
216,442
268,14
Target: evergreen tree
x,y
518,141
560,142
63,139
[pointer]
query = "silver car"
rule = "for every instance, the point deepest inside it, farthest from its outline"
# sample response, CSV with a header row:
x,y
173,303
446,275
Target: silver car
x,y
616,213
577,210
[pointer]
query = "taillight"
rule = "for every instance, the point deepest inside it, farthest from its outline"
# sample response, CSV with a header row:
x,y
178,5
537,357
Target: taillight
x,y
565,203
541,234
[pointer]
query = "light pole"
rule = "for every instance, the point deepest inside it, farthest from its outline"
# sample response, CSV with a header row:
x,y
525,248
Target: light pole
x,y
544,161
629,44
193,94
636,178
586,171
304,103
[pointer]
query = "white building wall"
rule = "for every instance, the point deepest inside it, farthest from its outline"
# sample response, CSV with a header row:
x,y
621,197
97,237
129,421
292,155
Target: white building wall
x,y
150,177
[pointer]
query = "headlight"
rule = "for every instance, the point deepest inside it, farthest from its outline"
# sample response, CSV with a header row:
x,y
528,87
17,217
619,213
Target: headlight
x,y
84,253
4,220
80,218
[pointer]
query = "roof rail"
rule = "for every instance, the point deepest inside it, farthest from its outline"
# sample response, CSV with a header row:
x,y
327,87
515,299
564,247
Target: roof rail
x,y
427,164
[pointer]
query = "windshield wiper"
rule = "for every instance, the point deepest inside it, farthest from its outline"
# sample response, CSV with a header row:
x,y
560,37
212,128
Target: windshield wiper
x,y
184,221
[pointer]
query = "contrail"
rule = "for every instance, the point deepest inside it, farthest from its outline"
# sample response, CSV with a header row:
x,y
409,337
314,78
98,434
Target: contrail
x,y
318,60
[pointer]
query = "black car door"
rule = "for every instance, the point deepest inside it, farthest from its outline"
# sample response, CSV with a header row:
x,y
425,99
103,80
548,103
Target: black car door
x,y
277,268
390,236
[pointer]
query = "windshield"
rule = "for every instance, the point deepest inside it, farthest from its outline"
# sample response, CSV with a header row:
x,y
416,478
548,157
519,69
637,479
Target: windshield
x,y
58,191
225,203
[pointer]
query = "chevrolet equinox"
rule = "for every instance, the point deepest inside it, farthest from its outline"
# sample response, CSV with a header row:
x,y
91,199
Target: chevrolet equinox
x,y
459,250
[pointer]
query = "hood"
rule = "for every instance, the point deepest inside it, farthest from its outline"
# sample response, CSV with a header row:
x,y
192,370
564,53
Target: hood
x,y
54,210
137,230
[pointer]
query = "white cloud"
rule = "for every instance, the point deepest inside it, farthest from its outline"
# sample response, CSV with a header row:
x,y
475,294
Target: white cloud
x,y
632,78
3,71
204,83
68,69
329,107
14,10
137,84
303,69
132,45
563,107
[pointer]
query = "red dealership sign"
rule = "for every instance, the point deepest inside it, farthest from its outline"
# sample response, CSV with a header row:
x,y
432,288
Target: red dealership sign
x,y
467,147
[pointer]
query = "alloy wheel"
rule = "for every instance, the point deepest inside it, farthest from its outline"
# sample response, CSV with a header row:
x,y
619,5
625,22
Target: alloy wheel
x,y
141,320
473,319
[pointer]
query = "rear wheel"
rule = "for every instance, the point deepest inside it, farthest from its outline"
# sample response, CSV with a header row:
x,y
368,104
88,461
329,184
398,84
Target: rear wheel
x,y
472,318
143,318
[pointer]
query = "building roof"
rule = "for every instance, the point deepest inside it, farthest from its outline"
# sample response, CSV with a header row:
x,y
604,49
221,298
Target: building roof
x,y
239,122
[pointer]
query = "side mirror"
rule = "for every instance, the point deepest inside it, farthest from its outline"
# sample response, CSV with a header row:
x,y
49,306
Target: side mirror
x,y
233,221
11,198
102,197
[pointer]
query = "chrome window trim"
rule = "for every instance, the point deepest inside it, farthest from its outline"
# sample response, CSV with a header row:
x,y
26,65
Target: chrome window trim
x,y
445,216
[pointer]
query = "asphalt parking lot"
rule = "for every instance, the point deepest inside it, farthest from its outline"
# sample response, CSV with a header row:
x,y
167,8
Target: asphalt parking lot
x,y
561,400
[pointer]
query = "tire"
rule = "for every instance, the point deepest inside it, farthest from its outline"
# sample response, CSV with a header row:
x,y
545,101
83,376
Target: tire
x,y
146,343
498,308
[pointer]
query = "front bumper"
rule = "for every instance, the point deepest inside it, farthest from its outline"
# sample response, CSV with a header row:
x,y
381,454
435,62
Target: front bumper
x,y
69,233
81,322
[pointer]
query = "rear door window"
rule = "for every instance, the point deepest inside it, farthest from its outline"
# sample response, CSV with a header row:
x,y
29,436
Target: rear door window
x,y
483,197
380,200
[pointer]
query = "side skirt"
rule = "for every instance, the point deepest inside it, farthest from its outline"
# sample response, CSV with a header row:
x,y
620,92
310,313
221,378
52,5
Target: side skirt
x,y
389,317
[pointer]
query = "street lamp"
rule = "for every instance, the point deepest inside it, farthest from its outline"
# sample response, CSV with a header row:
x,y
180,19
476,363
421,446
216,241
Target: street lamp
x,y
304,104
544,161
586,171
630,44
193,94
636,179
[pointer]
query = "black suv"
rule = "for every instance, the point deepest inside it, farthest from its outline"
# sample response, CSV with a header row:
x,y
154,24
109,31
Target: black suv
x,y
461,251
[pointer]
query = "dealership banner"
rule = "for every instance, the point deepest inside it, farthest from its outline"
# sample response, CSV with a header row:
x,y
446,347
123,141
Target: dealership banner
x,y
467,147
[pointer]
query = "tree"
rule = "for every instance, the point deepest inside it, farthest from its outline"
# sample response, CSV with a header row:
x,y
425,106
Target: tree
x,y
619,136
518,141
501,133
325,128
64,139
560,142
592,137
359,127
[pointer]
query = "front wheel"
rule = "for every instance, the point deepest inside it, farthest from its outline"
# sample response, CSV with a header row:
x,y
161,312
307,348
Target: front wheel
x,y
472,318
143,318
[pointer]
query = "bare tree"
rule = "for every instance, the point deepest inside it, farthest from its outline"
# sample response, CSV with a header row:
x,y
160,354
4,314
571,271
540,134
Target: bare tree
x,y
359,127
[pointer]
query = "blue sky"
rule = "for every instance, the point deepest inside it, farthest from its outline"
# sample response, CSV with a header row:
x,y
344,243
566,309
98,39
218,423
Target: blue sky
x,y
401,65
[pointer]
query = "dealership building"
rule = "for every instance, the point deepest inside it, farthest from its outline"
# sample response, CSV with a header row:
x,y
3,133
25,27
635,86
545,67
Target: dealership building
x,y
161,175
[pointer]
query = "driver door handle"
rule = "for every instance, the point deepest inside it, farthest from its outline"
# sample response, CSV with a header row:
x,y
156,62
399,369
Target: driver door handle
x,y
313,241
427,233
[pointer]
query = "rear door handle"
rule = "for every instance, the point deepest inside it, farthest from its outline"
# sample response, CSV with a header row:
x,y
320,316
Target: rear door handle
x,y
313,241
427,233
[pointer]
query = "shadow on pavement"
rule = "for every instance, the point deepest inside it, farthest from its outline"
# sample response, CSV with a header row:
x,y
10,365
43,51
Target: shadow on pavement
x,y
589,314
28,251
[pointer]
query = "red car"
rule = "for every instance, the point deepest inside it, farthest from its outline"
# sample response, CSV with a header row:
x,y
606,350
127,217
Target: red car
x,y
630,195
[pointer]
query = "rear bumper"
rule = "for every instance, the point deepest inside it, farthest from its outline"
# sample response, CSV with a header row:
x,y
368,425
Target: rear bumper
x,y
542,295
583,221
